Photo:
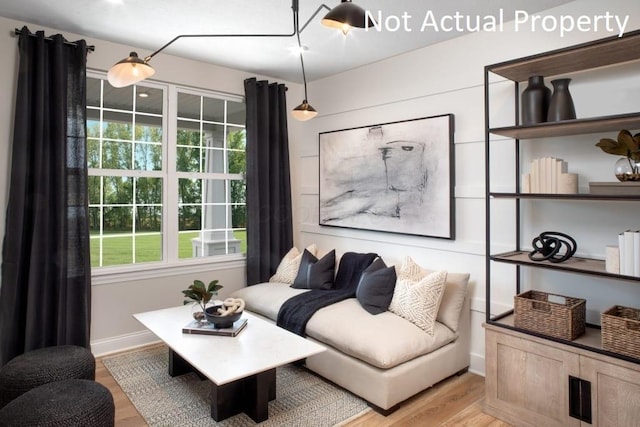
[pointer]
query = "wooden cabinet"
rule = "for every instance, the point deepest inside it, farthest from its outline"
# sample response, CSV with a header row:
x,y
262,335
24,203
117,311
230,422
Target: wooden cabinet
x,y
533,380
527,383
615,392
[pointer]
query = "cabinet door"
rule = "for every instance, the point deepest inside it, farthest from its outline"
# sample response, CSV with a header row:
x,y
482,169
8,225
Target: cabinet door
x,y
527,384
615,393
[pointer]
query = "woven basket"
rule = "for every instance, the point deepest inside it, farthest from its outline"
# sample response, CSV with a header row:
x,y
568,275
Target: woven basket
x,y
564,319
621,331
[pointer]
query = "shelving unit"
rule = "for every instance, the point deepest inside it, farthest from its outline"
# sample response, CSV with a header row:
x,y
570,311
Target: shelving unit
x,y
508,346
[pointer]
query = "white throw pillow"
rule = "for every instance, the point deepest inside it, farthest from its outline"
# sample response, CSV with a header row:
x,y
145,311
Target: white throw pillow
x,y
418,300
289,265
412,271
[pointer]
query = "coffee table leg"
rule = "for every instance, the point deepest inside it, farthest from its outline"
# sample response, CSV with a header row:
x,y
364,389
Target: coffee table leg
x,y
259,390
226,400
177,365
250,395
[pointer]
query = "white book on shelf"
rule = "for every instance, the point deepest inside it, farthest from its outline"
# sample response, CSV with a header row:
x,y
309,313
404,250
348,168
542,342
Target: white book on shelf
x,y
621,247
544,175
612,259
629,254
636,253
568,183
533,180
553,172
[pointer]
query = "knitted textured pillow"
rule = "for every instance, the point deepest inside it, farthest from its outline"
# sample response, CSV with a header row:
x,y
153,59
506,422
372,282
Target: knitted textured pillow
x,y
418,301
288,268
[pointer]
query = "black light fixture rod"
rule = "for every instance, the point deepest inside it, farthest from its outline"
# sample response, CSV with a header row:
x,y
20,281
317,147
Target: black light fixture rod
x,y
17,32
322,6
294,8
296,23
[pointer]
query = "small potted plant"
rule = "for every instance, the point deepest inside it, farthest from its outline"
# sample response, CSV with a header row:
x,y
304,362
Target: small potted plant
x,y
628,167
200,295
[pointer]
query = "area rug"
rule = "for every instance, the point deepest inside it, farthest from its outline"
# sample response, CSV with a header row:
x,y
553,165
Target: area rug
x,y
302,398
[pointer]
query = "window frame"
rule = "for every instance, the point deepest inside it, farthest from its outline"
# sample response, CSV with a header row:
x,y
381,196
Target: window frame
x,y
171,263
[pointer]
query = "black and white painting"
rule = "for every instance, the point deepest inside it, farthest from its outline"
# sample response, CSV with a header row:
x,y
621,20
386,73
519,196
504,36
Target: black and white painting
x,y
395,177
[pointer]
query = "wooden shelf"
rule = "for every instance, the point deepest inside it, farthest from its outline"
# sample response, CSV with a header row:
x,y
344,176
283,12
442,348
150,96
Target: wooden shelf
x,y
566,197
590,339
571,127
589,266
600,53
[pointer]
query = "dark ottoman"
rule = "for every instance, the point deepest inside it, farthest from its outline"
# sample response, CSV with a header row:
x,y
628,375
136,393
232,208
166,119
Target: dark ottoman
x,y
63,403
43,366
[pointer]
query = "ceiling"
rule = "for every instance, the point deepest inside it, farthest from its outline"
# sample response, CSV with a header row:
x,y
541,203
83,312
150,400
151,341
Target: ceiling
x,y
149,24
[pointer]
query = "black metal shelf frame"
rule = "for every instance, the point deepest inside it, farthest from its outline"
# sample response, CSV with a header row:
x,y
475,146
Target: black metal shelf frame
x,y
621,49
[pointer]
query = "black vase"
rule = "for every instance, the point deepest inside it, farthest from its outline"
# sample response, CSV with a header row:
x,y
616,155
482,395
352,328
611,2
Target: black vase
x,y
561,106
535,101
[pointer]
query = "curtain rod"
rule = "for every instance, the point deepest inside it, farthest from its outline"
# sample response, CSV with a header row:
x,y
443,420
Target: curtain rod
x,y
17,32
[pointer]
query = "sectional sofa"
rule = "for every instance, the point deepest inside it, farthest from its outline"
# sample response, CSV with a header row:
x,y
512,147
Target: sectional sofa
x,y
383,358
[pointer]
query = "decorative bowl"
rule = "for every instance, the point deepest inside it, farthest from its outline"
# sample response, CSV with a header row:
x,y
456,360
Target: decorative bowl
x,y
218,321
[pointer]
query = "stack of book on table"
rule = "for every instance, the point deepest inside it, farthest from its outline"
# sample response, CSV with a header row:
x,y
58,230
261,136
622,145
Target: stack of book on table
x,y
206,328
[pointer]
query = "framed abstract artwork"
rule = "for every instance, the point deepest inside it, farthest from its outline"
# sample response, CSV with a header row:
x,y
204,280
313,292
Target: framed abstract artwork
x,y
395,177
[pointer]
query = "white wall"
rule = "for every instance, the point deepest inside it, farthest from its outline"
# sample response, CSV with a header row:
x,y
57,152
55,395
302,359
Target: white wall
x,y
115,299
445,78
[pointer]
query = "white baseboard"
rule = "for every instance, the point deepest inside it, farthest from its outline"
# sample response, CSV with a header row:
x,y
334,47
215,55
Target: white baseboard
x,y
477,364
122,342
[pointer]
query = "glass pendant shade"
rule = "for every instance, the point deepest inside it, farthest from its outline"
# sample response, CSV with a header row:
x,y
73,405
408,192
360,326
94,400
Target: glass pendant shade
x,y
304,112
130,70
346,16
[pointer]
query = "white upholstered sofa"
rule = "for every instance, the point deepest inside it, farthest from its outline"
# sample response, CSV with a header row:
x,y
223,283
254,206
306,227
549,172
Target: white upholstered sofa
x,y
383,358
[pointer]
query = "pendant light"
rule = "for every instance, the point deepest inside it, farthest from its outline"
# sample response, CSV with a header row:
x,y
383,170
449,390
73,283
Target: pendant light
x,y
130,70
346,16
304,111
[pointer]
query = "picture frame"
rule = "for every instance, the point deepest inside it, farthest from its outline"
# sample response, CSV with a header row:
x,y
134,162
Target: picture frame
x,y
393,177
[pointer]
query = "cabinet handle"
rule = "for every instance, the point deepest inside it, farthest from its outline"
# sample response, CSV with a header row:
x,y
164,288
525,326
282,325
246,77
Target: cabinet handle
x,y
580,399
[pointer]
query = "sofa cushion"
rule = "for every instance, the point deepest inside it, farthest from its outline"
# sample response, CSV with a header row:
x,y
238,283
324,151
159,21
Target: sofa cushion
x,y
375,289
455,291
316,273
418,301
289,265
266,298
384,341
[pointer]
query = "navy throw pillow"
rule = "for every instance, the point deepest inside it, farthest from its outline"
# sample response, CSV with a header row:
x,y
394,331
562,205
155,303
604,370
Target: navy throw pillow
x,y
376,286
316,273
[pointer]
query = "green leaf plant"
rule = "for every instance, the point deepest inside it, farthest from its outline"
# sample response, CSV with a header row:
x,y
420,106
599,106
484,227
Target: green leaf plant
x,y
626,145
201,294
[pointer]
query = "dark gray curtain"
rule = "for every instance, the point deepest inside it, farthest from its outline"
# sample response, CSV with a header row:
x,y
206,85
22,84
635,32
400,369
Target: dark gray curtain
x,y
269,219
45,295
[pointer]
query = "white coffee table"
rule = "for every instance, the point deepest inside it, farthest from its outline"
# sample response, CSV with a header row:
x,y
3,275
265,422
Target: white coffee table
x,y
242,369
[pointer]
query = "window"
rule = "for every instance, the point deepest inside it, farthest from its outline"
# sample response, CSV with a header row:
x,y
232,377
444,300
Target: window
x,y
166,173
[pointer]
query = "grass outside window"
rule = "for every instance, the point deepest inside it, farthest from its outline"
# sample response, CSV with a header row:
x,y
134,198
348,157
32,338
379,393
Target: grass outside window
x,y
117,249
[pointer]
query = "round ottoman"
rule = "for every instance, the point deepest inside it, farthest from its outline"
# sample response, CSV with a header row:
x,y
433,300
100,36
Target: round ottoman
x,y
61,403
45,365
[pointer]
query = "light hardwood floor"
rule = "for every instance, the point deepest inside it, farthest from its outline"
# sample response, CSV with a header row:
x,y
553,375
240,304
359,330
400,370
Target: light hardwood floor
x,y
457,401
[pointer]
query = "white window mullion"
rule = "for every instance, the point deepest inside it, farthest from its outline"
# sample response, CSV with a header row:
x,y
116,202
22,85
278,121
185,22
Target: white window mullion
x,y
170,189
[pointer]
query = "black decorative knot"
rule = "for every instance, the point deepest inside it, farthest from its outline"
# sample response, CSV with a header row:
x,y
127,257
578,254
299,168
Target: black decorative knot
x,y
552,246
